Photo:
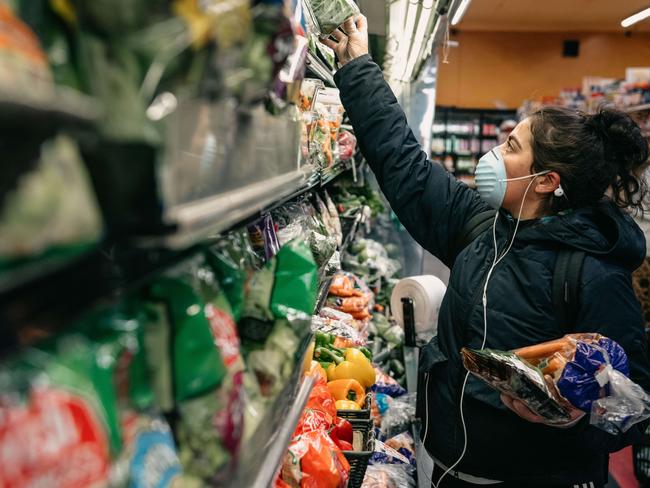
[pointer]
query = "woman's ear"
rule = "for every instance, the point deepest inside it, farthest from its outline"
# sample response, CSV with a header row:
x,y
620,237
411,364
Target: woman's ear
x,y
548,183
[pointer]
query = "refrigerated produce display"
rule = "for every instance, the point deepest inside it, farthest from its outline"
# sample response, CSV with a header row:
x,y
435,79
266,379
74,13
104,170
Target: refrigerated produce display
x,y
188,295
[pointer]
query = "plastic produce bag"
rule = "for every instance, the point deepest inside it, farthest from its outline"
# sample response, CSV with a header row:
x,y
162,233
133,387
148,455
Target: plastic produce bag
x,y
583,371
386,385
52,208
384,454
263,238
233,261
320,411
53,387
339,328
207,428
399,416
389,476
314,461
329,14
350,294
146,452
347,145
369,259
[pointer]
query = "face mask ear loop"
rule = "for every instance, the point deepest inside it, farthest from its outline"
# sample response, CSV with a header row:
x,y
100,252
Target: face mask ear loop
x,y
485,328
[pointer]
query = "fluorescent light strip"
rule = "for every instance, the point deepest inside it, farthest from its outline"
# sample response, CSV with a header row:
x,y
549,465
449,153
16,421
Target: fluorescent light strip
x,y
421,30
458,16
637,17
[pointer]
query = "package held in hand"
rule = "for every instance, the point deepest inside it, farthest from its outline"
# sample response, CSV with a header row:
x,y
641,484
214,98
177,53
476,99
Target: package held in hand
x,y
584,371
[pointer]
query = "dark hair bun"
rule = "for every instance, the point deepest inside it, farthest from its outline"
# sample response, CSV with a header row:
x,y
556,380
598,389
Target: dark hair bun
x,y
623,142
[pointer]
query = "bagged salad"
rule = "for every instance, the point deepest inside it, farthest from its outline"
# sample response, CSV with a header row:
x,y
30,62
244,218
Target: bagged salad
x,y
586,371
327,15
93,385
205,377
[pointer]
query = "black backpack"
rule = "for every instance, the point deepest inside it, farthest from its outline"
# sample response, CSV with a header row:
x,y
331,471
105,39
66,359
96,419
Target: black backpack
x,y
566,275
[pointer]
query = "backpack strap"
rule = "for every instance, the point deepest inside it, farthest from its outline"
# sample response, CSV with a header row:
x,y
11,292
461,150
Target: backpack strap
x,y
566,286
474,228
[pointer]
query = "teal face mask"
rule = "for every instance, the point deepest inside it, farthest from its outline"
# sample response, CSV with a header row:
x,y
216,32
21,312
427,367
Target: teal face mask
x,y
491,179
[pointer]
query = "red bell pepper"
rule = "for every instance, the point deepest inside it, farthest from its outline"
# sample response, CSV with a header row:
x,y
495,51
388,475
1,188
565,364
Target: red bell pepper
x,y
343,429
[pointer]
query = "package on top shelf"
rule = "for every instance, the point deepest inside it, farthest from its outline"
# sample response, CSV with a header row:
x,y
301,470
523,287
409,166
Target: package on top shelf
x,y
301,221
23,60
183,93
327,15
51,210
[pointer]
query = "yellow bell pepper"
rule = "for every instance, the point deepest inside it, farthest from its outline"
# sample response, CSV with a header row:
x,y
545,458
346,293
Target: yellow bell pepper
x,y
349,371
347,405
362,369
347,390
331,369
309,356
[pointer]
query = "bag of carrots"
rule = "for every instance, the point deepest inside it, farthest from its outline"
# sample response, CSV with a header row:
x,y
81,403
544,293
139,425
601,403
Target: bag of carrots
x,y
584,371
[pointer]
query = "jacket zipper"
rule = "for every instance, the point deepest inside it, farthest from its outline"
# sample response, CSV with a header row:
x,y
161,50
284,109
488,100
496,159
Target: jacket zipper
x,y
475,299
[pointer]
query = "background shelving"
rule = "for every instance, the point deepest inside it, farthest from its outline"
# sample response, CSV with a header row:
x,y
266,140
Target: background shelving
x,y
461,136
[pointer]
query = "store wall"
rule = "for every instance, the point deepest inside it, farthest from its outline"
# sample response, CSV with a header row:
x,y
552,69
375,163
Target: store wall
x,y
501,69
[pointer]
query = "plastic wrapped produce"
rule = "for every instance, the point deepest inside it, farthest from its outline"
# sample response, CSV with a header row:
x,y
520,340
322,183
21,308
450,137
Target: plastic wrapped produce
x,y
399,416
579,371
329,14
314,461
389,476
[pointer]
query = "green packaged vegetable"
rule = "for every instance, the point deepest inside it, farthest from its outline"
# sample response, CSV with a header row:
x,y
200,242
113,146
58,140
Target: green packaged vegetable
x,y
147,455
233,262
48,387
329,14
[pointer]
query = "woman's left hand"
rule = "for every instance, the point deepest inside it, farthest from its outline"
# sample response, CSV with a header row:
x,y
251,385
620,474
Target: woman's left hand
x,y
526,413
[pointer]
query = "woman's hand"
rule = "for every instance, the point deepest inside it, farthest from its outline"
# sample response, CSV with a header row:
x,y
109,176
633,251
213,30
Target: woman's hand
x,y
526,413
351,40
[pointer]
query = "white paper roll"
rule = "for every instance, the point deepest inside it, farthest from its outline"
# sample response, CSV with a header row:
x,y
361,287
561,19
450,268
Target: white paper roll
x,y
427,292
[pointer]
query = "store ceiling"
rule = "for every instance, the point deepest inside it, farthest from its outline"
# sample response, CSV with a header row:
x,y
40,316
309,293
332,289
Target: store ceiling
x,y
553,15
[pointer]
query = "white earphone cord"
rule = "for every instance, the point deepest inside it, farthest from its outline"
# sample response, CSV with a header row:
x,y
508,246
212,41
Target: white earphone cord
x,y
462,394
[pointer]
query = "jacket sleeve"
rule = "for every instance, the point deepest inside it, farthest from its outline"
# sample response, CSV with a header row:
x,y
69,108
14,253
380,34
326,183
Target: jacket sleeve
x,y
608,305
430,202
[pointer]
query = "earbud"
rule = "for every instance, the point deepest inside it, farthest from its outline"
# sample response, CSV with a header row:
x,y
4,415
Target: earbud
x,y
559,191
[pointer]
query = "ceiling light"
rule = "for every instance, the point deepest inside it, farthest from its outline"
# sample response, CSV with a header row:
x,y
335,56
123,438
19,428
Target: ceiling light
x,y
458,15
637,17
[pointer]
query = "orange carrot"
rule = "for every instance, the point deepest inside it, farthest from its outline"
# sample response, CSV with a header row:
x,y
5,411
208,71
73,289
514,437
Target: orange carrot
x,y
544,349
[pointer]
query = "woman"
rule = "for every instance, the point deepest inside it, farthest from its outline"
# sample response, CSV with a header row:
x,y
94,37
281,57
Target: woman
x,y
549,180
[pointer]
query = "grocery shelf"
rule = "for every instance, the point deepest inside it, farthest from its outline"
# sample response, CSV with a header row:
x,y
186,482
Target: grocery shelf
x,y
262,454
32,269
47,114
463,135
54,297
278,445
638,108
207,218
318,68
330,174
323,290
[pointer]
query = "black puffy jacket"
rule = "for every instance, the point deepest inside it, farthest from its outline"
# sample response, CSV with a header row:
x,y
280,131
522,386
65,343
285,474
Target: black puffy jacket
x,y
434,207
